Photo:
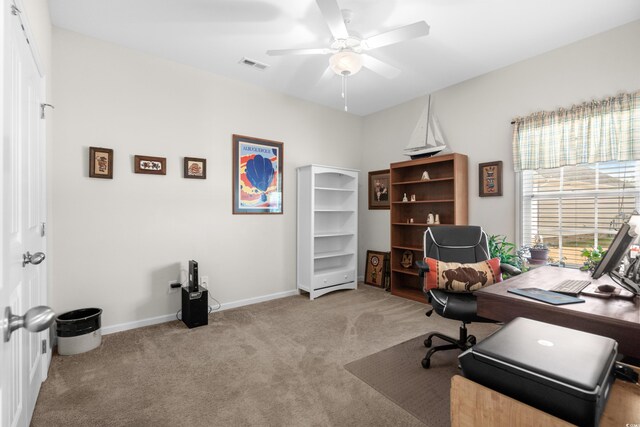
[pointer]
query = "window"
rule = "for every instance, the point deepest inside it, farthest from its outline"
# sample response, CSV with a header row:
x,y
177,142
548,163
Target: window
x,y
577,207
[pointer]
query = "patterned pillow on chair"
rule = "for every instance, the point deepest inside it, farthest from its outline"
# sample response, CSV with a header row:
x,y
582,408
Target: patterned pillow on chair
x,y
456,277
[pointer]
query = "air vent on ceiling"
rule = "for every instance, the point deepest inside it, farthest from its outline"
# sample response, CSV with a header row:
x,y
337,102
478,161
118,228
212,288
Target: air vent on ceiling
x,y
253,63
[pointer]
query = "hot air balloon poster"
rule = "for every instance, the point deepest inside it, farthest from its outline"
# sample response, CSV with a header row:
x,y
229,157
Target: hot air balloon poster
x,y
257,175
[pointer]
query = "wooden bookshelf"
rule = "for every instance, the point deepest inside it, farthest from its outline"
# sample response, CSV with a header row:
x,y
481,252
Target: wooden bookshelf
x,y
445,194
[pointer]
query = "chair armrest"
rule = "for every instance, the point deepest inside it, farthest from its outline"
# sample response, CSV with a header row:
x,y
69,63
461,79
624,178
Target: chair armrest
x,y
423,267
510,269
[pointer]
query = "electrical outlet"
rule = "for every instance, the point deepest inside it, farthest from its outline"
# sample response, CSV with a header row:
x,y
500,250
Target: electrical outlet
x,y
204,281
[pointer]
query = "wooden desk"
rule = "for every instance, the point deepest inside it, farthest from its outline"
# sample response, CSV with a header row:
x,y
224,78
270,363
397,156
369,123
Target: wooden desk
x,y
616,318
473,405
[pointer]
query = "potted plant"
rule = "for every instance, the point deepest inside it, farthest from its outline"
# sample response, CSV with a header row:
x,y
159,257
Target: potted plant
x,y
539,252
500,248
592,257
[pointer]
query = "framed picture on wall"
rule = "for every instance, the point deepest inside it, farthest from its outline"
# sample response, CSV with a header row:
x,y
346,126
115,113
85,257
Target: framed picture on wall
x,y
490,179
100,162
195,168
257,175
379,189
374,271
150,165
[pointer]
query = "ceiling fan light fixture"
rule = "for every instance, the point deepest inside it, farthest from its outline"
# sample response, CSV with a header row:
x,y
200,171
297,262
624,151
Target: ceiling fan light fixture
x,y
345,63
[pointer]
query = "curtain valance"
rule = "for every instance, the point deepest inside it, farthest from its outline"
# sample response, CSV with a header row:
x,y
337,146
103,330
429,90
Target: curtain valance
x,y
597,131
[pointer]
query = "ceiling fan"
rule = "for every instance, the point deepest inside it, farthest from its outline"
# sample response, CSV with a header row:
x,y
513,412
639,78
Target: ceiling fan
x,y
347,50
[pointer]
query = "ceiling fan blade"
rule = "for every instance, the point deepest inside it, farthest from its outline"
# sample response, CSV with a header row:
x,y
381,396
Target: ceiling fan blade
x,y
332,14
313,51
379,67
412,31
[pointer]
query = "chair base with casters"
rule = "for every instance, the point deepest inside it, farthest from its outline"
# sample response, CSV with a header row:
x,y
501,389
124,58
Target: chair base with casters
x,y
466,308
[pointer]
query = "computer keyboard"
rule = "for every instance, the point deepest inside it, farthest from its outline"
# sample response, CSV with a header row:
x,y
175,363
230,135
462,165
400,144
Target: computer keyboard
x,y
571,287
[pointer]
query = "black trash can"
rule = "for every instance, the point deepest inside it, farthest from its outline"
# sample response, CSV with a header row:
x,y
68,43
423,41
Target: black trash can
x,y
79,331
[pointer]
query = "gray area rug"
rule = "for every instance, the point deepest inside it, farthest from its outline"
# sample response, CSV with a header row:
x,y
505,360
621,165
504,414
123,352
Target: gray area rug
x,y
397,373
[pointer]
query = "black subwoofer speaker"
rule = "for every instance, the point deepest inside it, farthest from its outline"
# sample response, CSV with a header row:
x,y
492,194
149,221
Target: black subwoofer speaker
x,y
195,307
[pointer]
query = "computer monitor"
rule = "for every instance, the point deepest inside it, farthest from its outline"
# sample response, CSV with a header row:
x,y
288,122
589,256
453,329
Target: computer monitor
x,y
617,250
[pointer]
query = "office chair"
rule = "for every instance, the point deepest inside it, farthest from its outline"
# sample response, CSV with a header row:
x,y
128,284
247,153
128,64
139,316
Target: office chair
x,y
462,244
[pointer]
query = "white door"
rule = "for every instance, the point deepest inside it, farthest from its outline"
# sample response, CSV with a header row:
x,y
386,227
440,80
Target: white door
x,y
22,362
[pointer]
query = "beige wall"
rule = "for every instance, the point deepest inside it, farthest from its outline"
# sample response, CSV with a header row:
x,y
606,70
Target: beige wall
x,y
119,242
116,244
475,117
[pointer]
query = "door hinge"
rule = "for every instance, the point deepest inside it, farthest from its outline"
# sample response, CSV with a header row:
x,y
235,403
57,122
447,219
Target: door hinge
x,y
15,10
43,230
44,346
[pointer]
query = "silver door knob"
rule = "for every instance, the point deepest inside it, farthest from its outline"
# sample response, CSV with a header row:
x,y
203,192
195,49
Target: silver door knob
x,y
35,319
34,259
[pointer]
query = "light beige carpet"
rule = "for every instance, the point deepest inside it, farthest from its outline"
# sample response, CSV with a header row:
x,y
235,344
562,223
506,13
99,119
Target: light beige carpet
x,y
278,363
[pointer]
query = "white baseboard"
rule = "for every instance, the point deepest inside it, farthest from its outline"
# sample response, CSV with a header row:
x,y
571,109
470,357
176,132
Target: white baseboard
x,y
169,317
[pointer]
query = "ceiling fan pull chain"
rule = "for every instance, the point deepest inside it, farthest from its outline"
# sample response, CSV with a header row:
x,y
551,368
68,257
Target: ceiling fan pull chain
x,y
344,90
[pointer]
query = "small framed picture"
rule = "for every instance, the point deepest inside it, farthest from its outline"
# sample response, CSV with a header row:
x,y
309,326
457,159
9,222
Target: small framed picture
x,y
150,165
195,168
257,175
379,189
100,162
490,179
375,270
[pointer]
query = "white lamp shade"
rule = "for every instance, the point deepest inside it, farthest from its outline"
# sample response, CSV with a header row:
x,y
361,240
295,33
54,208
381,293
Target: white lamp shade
x,y
345,63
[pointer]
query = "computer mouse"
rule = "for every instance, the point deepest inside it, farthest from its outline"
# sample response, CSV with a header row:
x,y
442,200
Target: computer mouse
x,y
606,288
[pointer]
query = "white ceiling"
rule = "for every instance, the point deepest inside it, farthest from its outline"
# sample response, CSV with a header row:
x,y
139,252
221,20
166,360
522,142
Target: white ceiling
x,y
467,38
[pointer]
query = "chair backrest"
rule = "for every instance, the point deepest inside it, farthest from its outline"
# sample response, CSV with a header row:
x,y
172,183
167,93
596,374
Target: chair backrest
x,y
456,243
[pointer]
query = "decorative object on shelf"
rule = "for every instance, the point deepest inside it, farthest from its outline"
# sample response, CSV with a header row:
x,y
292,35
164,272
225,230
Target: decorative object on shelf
x,y
427,139
257,175
413,197
150,165
490,179
436,219
404,198
430,218
374,271
411,220
100,162
379,189
407,259
425,176
195,168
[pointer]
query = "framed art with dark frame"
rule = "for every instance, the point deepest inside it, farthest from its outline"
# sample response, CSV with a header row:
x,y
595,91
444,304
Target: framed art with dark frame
x,y
195,168
150,165
490,179
374,271
257,175
379,189
100,162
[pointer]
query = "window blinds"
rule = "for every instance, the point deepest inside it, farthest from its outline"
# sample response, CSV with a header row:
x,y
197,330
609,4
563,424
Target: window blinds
x,y
578,207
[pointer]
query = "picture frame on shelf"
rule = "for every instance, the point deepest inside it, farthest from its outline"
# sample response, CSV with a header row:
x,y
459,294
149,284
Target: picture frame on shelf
x,y
379,182
150,165
100,162
257,175
195,168
376,268
490,179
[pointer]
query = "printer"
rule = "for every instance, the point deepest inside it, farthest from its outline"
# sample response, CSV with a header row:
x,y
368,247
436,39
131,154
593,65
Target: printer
x,y
564,372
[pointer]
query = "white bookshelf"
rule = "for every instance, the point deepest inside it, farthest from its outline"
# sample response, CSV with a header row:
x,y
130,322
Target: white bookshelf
x,y
327,229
